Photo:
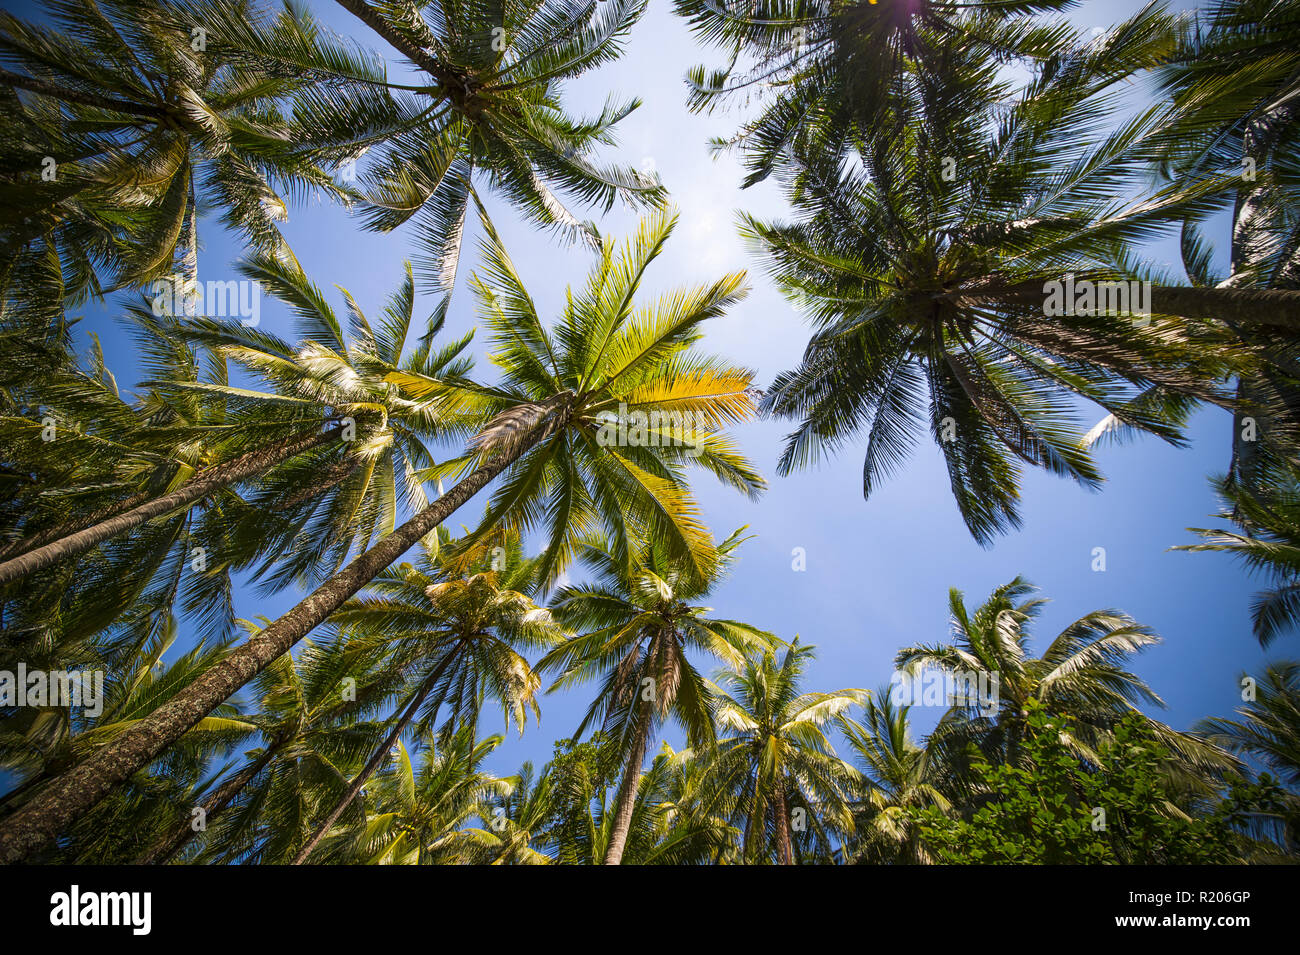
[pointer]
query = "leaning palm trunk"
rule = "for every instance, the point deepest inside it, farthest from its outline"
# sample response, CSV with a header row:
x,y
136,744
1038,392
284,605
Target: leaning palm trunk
x,y
73,539
164,849
371,767
627,790
82,788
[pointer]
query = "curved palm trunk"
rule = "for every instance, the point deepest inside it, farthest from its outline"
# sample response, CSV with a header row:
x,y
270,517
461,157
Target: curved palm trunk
x,y
164,849
85,785
71,541
377,760
627,790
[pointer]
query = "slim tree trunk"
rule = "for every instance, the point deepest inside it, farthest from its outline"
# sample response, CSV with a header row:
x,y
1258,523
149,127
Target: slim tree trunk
x,y
752,822
784,848
82,788
69,95
377,760
417,54
209,480
627,790
1279,308
1234,306
24,545
164,849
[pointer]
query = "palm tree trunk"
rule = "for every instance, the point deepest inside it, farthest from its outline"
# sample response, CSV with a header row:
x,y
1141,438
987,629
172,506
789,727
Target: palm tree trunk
x,y
627,790
1234,306
417,54
82,788
750,824
76,538
784,848
164,849
377,760
69,95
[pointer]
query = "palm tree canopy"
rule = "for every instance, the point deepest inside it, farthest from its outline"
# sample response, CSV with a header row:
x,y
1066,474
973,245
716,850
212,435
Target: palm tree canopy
x,y
833,64
487,97
633,627
925,263
148,108
606,361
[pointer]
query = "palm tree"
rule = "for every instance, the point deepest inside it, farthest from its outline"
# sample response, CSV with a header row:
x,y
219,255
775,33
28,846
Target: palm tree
x,y
486,98
107,445
515,822
38,742
635,625
328,504
543,431
455,630
670,821
1233,82
418,818
1081,674
147,108
833,63
897,775
371,450
55,544
1269,726
929,267
1234,77
1267,540
778,757
311,722
606,365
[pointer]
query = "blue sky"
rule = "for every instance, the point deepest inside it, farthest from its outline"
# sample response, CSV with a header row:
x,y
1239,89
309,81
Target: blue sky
x,y
877,572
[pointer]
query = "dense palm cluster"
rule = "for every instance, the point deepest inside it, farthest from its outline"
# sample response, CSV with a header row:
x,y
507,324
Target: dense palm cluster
x,y
945,163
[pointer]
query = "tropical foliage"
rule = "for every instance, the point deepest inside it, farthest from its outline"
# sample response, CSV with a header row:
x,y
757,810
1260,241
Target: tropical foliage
x,y
972,202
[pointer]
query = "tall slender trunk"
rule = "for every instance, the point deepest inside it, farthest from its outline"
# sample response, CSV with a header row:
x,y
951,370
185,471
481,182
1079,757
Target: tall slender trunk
x,y
377,760
784,848
24,545
164,849
627,790
417,54
190,262
753,821
1278,308
82,788
69,95
71,542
